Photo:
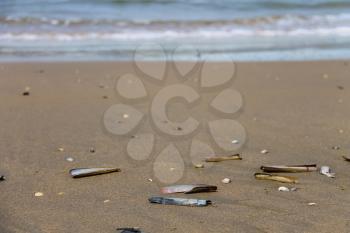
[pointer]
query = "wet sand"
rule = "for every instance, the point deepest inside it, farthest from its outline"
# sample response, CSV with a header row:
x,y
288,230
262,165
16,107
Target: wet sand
x,y
296,110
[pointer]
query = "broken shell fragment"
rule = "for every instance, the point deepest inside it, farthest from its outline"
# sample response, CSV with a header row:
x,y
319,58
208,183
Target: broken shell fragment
x,y
2,178
283,179
187,189
283,189
179,201
264,152
60,149
38,194
325,170
311,204
226,181
199,166
83,172
224,158
289,168
346,158
129,230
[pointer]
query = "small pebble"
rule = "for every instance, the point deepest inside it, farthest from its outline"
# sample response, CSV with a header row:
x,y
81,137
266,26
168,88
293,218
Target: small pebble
x,y
226,181
311,204
70,159
199,166
235,141
26,91
340,87
92,150
105,97
264,151
125,116
60,193
341,131
61,149
150,180
38,194
106,201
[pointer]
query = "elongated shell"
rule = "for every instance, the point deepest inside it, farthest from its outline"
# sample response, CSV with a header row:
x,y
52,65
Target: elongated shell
x,y
179,201
346,158
83,172
224,158
191,188
289,168
283,179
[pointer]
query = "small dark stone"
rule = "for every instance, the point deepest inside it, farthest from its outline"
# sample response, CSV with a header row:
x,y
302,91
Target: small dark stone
x,y
26,93
340,87
2,178
105,97
179,128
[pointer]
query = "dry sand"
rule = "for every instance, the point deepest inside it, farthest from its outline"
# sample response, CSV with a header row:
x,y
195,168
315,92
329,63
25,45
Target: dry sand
x,y
292,109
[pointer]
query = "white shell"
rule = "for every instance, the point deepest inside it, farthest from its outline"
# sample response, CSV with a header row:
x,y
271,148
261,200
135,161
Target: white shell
x,y
325,170
226,181
264,151
283,189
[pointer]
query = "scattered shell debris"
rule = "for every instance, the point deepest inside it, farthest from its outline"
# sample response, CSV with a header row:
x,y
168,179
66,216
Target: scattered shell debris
x,y
38,194
226,181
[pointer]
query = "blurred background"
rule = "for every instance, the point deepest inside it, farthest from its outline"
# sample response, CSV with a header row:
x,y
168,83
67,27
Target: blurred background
x,y
254,30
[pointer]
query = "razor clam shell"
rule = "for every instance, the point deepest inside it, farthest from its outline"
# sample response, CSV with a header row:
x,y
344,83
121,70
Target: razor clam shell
x,y
346,158
283,179
224,158
187,189
84,172
129,230
289,168
179,201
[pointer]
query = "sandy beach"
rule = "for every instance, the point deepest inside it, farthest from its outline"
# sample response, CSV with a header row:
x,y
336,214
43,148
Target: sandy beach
x,y
297,111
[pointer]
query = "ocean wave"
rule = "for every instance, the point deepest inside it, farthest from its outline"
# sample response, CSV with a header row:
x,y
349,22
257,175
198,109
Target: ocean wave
x,y
174,34
271,20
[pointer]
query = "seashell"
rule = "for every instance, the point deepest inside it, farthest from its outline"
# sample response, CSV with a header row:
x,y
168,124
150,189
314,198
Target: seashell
x,y
199,166
311,204
264,151
346,158
224,158
2,178
289,168
325,170
283,189
38,194
179,201
226,181
129,230
83,172
283,179
195,188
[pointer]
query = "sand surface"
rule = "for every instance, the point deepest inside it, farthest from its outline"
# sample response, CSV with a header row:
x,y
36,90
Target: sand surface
x,y
297,111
